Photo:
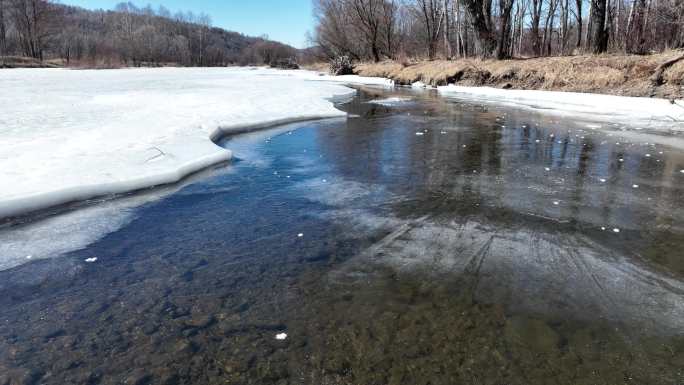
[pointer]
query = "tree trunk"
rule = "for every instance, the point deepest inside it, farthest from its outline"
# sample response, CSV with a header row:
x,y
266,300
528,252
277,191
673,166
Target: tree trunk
x,y
536,19
375,50
598,40
637,41
505,8
447,40
548,27
480,20
564,26
3,30
578,3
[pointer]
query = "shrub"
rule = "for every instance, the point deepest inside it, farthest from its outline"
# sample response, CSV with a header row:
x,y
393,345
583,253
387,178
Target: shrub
x,y
283,63
341,65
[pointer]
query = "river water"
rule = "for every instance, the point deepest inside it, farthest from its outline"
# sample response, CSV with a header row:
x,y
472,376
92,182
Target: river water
x,y
421,240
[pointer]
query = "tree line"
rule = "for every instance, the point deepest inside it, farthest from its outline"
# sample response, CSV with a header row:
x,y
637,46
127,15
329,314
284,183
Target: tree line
x,y
396,29
127,35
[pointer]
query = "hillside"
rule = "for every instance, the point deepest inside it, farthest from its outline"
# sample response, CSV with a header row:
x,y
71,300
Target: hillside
x,y
127,36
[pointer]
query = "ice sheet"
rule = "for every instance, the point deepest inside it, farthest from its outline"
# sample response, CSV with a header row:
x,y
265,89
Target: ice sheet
x,y
71,135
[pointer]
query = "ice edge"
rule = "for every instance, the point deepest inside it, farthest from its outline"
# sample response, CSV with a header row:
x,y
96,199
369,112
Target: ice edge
x,y
27,205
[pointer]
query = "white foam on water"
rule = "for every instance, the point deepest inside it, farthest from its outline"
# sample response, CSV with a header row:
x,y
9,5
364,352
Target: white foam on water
x,y
281,336
390,101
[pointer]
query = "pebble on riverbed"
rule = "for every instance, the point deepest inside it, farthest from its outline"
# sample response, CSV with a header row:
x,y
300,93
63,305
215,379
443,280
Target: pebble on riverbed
x,y
91,260
281,336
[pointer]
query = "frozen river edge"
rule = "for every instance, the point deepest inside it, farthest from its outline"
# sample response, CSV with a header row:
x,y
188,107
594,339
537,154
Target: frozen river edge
x,y
182,112
159,125
41,201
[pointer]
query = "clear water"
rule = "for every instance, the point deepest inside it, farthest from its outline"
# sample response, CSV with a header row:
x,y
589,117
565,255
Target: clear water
x,y
419,241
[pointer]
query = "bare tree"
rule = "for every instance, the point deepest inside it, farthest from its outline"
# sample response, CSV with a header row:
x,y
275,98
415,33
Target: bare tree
x,y
636,43
578,17
31,19
447,30
367,17
598,39
548,26
203,23
333,33
3,29
536,20
480,15
564,25
432,14
389,12
503,41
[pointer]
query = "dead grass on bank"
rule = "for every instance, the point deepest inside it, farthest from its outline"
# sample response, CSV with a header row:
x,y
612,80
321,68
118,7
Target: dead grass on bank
x,y
27,62
627,75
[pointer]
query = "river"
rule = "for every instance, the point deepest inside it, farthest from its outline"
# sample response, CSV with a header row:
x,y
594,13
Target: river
x,y
420,240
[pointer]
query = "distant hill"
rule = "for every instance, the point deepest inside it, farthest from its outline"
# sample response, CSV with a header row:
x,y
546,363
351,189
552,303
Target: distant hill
x,y
128,36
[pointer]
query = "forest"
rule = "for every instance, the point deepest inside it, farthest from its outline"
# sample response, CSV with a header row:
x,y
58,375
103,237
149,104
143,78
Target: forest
x,y
362,30
126,36
430,29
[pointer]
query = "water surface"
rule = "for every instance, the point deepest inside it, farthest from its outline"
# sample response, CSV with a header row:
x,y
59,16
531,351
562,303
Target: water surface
x,y
421,240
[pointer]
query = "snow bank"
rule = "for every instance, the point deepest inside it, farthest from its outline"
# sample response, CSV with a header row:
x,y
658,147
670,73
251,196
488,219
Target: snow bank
x,y
648,112
72,135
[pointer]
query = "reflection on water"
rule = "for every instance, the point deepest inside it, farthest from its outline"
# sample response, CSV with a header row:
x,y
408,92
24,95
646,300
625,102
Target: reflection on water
x,y
422,240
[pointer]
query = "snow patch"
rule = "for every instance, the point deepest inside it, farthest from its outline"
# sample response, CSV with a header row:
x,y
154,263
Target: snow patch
x,y
651,112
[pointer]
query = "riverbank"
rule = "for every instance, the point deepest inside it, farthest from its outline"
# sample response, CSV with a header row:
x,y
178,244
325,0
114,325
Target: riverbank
x,y
623,75
27,62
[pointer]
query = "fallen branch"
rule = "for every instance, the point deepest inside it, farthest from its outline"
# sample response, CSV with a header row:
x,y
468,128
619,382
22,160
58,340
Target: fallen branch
x,y
657,77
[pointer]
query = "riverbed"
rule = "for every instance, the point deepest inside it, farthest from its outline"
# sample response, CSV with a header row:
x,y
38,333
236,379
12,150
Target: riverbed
x,y
419,240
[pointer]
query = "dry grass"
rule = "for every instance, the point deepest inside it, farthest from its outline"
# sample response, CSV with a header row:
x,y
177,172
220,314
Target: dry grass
x,y
610,74
27,62
319,67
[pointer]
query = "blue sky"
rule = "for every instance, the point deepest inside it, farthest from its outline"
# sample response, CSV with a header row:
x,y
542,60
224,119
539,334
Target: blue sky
x,y
281,20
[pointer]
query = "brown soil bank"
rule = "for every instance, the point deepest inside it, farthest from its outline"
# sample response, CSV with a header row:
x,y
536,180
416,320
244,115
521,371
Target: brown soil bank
x,y
628,75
